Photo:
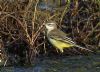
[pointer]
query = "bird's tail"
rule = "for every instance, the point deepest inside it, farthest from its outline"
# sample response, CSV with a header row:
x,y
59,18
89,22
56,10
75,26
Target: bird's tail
x,y
82,48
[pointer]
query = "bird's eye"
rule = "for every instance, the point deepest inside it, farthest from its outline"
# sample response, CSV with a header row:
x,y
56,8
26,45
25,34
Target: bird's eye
x,y
49,24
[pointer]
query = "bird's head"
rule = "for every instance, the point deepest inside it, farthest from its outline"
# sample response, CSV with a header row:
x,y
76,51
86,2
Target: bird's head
x,y
51,25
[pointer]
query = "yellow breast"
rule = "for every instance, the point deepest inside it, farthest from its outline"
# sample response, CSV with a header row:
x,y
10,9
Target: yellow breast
x,y
60,44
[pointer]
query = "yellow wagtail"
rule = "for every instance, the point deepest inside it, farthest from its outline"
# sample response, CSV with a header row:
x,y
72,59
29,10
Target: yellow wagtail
x,y
58,38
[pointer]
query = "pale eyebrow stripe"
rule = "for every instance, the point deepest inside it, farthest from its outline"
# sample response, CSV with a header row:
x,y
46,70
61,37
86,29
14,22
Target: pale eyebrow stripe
x,y
50,23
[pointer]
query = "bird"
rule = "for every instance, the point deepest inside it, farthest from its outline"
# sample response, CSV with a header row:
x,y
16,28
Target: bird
x,y
59,39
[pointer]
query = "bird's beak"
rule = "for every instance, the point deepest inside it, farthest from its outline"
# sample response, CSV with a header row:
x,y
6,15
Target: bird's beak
x,y
44,25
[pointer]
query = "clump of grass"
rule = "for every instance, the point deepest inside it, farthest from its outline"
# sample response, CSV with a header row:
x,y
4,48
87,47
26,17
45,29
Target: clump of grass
x,y
23,21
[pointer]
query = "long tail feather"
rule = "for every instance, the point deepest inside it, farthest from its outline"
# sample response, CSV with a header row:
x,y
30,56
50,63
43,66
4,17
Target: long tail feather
x,y
83,48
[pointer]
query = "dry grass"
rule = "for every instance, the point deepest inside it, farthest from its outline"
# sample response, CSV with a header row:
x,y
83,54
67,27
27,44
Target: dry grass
x,y
24,21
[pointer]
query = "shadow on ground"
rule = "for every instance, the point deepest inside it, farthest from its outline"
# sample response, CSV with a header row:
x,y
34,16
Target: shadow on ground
x,y
90,63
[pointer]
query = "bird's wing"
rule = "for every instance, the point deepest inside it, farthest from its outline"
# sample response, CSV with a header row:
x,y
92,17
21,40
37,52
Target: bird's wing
x,y
63,39
61,36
